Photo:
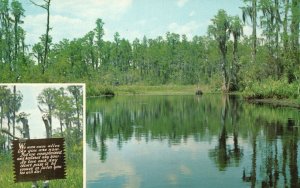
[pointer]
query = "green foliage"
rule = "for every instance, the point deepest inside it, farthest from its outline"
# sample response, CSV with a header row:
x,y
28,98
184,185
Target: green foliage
x,y
225,58
220,30
98,90
279,89
2,141
66,105
160,89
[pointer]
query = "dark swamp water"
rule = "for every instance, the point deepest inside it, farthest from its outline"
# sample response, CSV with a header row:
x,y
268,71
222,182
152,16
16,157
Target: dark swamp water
x,y
190,141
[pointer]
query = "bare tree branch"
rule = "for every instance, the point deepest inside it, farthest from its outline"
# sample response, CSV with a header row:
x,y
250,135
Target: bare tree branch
x,y
47,8
8,133
43,111
42,6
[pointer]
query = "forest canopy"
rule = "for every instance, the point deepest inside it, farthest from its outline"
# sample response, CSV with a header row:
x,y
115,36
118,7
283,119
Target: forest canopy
x,y
225,59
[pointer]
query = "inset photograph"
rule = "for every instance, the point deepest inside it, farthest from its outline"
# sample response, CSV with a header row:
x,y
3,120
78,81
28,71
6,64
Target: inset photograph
x,y
41,135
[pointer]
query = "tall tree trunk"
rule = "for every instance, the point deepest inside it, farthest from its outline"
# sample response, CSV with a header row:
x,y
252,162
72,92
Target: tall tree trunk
x,y
295,30
293,161
8,126
284,161
61,126
47,36
254,37
224,72
50,121
77,112
285,26
26,133
253,165
16,39
92,57
1,117
14,110
23,50
277,30
45,119
8,41
234,68
46,6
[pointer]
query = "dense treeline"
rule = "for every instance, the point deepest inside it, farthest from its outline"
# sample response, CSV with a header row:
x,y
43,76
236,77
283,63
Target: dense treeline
x,y
225,59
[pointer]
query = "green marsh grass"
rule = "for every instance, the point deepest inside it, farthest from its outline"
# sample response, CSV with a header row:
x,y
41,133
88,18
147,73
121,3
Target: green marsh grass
x,y
273,90
95,89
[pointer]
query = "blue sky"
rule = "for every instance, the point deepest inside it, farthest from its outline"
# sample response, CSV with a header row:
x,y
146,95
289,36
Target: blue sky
x,y
131,18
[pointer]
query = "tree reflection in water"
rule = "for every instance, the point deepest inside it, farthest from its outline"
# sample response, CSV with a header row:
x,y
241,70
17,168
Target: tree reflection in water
x,y
270,139
222,154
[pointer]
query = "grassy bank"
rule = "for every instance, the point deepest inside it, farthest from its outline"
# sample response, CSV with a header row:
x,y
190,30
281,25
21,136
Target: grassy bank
x,y
294,103
270,89
74,175
275,93
94,89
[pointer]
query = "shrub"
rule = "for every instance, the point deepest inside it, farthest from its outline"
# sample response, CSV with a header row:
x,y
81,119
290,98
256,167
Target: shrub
x,y
99,90
272,89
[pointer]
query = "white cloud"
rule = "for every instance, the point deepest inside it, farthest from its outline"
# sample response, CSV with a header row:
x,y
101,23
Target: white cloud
x,y
189,29
247,30
172,178
142,22
73,24
62,27
181,3
131,34
112,9
185,170
128,34
134,34
34,26
111,168
73,18
192,13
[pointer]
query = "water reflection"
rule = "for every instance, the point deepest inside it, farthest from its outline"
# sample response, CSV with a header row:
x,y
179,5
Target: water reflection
x,y
223,155
190,141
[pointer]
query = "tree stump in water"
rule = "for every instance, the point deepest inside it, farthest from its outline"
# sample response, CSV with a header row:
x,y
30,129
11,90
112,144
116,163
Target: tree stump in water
x,y
199,92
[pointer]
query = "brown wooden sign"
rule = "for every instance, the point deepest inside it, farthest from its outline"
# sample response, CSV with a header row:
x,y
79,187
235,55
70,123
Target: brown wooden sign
x,y
39,159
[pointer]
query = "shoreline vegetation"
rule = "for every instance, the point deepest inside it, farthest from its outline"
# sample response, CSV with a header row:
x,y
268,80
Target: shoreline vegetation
x,y
293,103
282,95
275,93
104,90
